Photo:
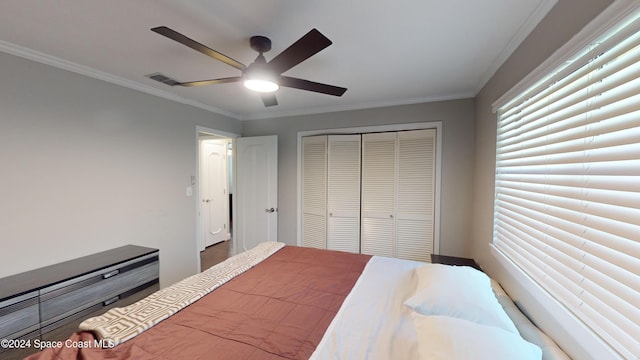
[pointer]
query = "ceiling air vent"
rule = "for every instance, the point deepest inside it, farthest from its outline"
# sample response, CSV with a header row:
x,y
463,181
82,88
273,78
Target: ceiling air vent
x,y
163,79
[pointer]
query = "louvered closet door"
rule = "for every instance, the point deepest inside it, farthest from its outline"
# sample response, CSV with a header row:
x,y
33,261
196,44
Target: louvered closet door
x,y
314,191
343,193
378,193
415,195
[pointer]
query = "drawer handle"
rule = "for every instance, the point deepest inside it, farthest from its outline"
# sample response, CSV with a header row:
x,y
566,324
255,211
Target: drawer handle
x,y
110,274
111,301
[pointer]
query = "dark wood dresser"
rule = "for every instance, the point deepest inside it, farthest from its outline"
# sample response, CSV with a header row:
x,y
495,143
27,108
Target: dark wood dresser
x,y
49,303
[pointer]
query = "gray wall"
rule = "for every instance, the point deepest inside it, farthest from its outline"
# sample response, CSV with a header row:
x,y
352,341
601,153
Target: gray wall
x,y
88,166
563,21
457,160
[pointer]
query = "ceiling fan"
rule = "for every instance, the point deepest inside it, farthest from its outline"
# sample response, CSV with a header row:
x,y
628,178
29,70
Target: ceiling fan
x,y
265,77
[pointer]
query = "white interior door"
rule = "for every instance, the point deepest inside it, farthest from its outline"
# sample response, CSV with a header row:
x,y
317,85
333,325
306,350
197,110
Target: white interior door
x,y
256,191
398,197
343,193
378,194
415,194
214,199
314,191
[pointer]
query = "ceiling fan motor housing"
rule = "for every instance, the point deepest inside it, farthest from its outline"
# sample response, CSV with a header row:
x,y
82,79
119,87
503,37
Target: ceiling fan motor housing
x,y
260,44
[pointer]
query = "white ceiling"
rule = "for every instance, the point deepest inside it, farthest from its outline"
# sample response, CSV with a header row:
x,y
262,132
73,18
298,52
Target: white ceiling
x,y
385,52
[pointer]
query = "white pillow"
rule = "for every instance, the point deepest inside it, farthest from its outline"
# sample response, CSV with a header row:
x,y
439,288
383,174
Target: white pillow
x,y
448,338
458,291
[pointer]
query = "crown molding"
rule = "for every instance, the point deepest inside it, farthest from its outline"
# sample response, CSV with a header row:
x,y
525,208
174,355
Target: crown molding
x,y
47,59
359,106
613,14
527,27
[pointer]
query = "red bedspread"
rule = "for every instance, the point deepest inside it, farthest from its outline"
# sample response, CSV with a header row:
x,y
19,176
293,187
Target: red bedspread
x,y
279,309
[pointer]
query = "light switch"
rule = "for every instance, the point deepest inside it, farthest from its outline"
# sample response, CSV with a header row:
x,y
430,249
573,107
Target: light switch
x,y
189,191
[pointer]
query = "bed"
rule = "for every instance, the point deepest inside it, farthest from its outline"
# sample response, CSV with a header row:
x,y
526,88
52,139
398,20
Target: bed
x,y
288,302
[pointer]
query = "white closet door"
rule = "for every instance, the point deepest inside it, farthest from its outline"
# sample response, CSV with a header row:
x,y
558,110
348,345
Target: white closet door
x,y
378,193
415,195
343,193
314,190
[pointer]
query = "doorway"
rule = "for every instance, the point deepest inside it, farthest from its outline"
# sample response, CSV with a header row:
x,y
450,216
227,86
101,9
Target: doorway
x,y
214,200
253,201
215,194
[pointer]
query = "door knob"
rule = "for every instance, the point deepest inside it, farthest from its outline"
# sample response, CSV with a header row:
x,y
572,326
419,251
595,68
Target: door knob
x,y
270,210
206,200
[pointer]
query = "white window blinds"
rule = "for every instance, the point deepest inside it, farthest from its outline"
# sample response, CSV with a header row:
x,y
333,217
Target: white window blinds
x,y
567,206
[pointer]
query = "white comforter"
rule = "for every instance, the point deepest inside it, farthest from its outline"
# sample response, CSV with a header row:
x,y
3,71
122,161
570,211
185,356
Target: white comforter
x,y
372,314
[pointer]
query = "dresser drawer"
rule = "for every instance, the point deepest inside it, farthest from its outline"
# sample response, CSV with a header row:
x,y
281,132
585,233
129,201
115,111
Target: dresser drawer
x,y
19,316
48,303
61,329
98,288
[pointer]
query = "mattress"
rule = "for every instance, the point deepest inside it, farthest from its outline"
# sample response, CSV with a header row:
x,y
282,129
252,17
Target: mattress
x,y
301,303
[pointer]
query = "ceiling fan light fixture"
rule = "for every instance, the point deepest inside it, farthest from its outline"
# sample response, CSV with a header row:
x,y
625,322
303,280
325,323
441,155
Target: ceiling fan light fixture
x,y
261,85
258,77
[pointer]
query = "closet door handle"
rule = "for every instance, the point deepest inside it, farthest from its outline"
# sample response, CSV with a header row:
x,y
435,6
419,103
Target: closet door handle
x,y
391,216
270,210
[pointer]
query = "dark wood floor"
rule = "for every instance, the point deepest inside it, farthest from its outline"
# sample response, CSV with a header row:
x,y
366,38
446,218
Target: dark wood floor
x,y
215,254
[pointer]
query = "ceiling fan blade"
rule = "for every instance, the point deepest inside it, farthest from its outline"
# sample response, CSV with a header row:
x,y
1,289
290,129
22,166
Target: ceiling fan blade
x,y
299,51
311,86
269,99
210,82
176,36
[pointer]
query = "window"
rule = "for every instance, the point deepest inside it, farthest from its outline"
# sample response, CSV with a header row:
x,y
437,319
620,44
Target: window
x,y
567,206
